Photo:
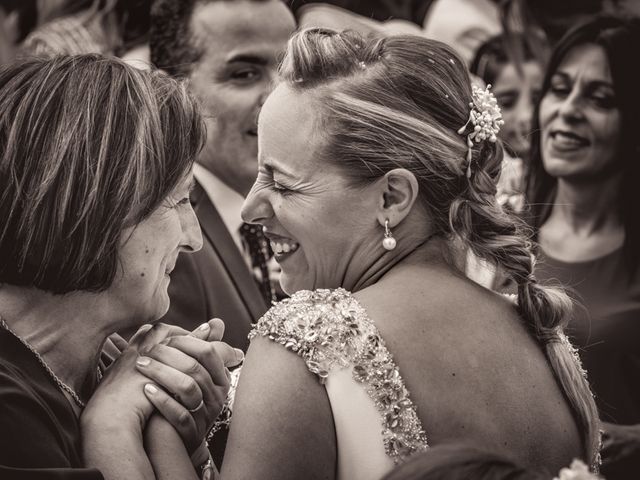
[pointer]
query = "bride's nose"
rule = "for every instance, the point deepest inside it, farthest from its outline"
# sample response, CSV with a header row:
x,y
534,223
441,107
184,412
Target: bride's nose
x,y
256,207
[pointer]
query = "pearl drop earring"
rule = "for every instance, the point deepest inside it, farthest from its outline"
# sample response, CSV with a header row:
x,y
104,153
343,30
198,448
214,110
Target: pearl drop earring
x,y
388,242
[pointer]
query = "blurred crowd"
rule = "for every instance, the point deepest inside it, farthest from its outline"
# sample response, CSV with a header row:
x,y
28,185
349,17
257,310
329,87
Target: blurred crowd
x,y
564,76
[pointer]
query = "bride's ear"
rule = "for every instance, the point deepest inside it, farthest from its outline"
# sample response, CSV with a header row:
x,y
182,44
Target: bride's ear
x,y
398,193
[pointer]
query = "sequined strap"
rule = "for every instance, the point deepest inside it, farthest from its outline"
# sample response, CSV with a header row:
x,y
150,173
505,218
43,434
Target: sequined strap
x,y
329,329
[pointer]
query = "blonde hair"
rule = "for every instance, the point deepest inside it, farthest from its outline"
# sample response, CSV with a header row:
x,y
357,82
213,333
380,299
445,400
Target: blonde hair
x,y
398,102
88,147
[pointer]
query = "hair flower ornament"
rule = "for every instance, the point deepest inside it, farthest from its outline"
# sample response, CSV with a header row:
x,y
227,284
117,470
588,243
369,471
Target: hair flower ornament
x,y
486,118
577,471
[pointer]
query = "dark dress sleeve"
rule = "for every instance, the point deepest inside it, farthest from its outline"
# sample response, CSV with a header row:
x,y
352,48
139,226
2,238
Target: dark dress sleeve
x,y
39,438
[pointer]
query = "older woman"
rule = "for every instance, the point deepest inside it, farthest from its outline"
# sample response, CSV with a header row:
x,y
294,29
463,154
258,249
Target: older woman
x,y
371,174
583,187
95,171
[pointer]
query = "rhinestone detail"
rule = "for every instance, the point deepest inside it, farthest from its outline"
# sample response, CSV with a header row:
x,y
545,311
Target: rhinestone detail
x,y
329,329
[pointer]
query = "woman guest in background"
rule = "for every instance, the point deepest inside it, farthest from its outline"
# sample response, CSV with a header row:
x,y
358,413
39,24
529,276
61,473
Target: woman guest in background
x,y
583,190
366,189
512,64
508,63
95,169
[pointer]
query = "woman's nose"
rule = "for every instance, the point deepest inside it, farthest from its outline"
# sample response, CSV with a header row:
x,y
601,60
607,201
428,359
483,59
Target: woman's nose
x,y
256,207
191,232
571,108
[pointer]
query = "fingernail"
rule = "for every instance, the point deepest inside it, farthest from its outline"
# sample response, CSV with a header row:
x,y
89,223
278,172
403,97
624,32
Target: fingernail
x,y
144,350
143,361
165,341
203,327
239,354
150,389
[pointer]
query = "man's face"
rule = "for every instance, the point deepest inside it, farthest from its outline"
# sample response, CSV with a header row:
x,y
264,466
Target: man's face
x,y
242,42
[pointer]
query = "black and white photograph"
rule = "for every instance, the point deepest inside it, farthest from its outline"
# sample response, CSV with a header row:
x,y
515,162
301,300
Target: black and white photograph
x,y
307,240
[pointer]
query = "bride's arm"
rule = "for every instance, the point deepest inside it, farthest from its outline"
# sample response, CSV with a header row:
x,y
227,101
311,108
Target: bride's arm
x,y
282,426
166,451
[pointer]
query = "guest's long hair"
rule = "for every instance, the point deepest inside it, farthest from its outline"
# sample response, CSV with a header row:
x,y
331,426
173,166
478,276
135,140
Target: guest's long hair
x,y
398,102
620,39
89,146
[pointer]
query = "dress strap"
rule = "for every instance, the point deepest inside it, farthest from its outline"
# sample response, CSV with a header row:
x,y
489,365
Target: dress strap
x,y
330,330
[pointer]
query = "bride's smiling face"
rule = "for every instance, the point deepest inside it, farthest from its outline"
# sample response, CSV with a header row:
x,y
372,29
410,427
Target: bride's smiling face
x,y
320,227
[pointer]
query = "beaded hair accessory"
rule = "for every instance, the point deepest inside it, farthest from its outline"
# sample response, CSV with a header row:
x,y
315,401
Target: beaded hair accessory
x,y
486,118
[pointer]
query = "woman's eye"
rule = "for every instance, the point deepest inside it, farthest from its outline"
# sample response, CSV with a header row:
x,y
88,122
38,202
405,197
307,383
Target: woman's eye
x,y
603,100
245,75
281,189
184,201
507,100
559,90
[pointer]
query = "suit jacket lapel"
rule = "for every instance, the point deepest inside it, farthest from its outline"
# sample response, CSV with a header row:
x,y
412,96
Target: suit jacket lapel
x,y
215,230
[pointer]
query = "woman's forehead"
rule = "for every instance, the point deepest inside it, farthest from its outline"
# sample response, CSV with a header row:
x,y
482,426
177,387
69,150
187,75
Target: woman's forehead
x,y
287,127
588,60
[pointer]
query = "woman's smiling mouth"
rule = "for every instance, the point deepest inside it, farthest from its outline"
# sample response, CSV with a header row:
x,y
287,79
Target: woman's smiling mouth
x,y
567,140
281,248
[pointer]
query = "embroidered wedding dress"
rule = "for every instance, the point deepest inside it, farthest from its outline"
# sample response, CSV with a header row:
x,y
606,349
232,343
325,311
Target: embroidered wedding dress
x,y
375,420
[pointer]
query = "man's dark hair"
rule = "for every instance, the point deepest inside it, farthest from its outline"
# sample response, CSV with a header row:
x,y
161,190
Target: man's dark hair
x,y
170,40
172,44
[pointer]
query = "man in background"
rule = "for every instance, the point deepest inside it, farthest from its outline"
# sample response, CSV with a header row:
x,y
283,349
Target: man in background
x,y
228,51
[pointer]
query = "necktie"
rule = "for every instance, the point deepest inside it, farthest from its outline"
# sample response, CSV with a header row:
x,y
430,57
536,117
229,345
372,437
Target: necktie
x,y
257,246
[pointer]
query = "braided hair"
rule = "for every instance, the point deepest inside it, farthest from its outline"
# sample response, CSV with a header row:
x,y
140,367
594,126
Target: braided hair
x,y
398,102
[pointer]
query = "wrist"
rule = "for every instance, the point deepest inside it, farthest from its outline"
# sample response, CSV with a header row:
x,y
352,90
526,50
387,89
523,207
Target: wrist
x,y
101,437
93,420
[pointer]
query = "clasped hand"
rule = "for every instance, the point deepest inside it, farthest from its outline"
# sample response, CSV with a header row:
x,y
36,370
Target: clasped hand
x,y
181,374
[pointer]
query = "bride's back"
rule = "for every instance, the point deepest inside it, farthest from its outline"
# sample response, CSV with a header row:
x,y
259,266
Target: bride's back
x,y
472,369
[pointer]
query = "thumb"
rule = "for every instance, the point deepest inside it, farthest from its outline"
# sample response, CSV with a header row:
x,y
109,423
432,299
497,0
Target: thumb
x,y
230,356
211,331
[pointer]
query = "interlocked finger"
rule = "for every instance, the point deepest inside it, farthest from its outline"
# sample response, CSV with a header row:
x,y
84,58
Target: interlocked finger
x,y
176,415
217,330
147,336
194,410
182,386
188,365
214,356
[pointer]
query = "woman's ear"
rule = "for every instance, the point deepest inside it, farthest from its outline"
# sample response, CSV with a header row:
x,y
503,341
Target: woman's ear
x,y
398,193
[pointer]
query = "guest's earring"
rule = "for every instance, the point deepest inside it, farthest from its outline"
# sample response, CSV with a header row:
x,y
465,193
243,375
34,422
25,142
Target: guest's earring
x,y
388,242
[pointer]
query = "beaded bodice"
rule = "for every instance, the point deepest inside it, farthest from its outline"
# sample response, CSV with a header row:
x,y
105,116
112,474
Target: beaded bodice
x,y
330,330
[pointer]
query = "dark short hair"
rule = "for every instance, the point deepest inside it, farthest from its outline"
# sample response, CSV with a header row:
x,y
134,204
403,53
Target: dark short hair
x,y
619,37
171,42
88,147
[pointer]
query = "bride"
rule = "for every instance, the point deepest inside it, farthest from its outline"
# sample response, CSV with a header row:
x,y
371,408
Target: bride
x,y
377,164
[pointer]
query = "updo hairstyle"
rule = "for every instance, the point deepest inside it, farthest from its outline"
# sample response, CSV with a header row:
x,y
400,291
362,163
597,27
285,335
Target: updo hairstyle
x,y
398,102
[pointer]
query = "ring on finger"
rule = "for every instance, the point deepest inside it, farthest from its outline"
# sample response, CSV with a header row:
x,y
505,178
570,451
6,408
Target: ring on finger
x,y
198,407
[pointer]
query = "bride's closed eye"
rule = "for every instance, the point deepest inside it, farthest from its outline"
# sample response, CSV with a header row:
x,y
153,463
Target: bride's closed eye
x,y
281,189
266,178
